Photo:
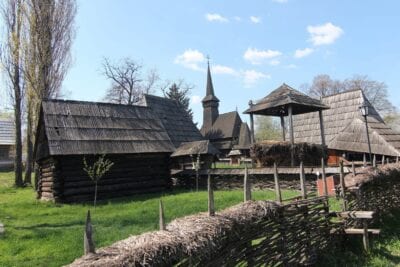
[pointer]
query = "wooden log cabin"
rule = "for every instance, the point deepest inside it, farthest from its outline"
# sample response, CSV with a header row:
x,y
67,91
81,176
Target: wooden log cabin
x,y
132,137
7,139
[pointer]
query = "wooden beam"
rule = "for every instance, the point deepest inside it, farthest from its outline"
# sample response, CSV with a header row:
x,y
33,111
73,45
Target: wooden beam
x,y
342,186
364,160
374,161
353,168
354,231
211,206
321,127
246,185
277,186
283,128
356,214
303,182
161,216
324,183
88,243
252,136
290,110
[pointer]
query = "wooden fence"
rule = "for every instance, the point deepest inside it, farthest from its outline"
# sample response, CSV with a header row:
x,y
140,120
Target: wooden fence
x,y
256,233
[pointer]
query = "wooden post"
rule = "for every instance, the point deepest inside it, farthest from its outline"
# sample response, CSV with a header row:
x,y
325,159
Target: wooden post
x,y
283,128
374,161
303,182
211,208
88,243
365,236
321,126
197,172
161,215
353,168
397,159
364,160
277,186
246,185
290,110
343,186
252,138
383,160
325,185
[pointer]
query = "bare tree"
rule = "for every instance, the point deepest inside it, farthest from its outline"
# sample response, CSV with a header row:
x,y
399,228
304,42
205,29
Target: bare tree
x,y
375,91
12,14
47,50
127,82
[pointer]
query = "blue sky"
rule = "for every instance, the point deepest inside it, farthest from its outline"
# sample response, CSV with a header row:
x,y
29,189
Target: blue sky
x,y
254,46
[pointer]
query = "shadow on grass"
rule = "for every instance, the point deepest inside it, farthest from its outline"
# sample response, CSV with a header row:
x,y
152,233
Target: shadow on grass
x,y
385,249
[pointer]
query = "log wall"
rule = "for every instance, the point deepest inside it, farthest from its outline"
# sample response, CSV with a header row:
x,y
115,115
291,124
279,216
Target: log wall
x,y
62,178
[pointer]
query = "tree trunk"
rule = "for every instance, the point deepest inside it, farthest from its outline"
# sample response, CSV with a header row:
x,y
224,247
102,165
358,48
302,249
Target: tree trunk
x,y
18,131
29,147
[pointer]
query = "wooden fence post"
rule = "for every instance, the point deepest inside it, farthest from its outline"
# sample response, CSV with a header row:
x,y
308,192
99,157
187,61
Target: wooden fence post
x,y
211,209
397,159
353,168
162,216
364,160
88,244
277,186
246,185
324,184
342,186
302,181
374,161
365,235
383,160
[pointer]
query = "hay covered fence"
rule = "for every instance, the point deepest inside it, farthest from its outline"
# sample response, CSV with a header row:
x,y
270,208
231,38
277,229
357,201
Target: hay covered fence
x,y
256,232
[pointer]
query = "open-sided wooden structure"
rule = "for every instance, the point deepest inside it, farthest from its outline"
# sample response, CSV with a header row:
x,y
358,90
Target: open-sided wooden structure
x,y
345,131
134,138
286,101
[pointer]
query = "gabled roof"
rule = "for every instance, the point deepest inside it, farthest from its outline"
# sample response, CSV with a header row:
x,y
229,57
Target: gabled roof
x,y
203,147
277,102
78,127
227,125
7,132
244,137
345,126
177,123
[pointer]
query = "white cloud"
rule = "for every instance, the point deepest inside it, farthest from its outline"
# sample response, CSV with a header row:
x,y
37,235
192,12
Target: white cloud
x,y
215,17
255,56
324,34
220,69
253,76
195,99
255,19
274,62
237,18
299,53
280,1
190,59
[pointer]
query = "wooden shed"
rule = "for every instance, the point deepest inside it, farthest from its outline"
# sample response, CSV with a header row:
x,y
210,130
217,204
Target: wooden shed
x,y
7,139
132,137
186,155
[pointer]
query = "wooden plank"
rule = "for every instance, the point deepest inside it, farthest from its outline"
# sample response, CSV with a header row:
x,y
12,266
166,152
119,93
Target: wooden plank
x,y
324,183
356,214
211,206
246,185
302,181
277,186
161,216
355,231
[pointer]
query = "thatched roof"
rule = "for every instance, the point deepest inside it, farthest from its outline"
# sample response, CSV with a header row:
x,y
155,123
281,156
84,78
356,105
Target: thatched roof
x,y
177,123
277,102
7,132
203,147
78,127
345,126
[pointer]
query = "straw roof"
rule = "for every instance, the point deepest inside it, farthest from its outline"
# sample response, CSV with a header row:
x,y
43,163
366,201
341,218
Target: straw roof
x,y
78,127
345,126
176,121
278,101
203,147
7,132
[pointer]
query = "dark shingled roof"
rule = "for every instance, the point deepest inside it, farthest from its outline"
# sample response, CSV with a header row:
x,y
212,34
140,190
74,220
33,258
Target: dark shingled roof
x,y
177,123
345,126
7,132
210,96
276,103
77,127
244,137
227,125
203,147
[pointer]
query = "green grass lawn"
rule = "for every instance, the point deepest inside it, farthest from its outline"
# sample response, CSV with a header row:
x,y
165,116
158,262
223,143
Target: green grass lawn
x,y
45,234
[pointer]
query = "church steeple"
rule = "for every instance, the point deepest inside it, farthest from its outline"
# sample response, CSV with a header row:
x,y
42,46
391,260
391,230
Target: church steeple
x,y
210,104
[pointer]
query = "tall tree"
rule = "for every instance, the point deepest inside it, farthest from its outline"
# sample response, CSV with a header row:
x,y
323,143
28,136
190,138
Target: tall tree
x,y
180,92
47,51
267,128
375,91
12,14
127,81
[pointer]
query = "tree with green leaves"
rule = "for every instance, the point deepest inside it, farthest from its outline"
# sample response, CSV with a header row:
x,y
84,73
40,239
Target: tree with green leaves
x,y
96,171
180,93
267,128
